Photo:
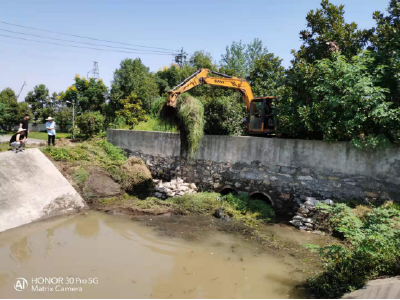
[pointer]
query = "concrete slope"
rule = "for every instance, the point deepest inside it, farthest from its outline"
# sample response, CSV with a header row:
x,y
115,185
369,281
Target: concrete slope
x,y
31,187
387,288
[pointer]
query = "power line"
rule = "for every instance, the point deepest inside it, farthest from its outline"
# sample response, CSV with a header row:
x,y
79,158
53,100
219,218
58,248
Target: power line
x,y
84,37
70,41
64,45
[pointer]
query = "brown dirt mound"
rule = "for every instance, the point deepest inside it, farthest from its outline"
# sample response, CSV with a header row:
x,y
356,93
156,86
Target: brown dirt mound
x,y
136,177
63,142
99,184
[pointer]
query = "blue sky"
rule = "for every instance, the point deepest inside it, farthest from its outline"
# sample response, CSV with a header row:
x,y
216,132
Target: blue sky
x,y
194,25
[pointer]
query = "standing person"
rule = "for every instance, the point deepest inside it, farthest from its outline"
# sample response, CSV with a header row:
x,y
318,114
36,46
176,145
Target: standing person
x,y
51,131
17,141
25,125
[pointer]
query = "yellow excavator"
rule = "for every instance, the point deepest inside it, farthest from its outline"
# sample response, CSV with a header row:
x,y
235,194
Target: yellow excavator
x,y
260,119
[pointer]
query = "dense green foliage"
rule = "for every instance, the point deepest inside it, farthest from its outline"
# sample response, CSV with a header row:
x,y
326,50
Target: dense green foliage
x,y
386,44
267,75
38,99
87,94
132,111
327,32
337,99
90,123
224,115
11,111
371,248
133,77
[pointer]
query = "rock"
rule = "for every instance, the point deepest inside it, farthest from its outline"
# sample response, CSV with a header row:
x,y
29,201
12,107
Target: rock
x,y
183,188
310,202
308,220
328,202
221,214
193,186
302,227
303,211
295,223
310,199
158,195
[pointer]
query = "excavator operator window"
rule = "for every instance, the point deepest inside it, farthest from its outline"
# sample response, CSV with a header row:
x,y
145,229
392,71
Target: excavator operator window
x,y
256,115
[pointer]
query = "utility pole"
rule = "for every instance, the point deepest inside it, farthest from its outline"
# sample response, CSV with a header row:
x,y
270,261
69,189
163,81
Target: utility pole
x,y
180,58
73,117
95,71
21,89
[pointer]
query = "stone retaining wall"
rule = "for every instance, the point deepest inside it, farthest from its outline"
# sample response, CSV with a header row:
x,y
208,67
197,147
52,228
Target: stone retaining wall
x,y
282,169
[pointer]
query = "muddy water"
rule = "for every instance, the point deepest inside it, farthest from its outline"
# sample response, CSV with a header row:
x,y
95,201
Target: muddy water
x,y
122,258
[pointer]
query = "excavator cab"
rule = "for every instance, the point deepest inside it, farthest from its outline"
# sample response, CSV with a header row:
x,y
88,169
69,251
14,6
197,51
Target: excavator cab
x,y
261,119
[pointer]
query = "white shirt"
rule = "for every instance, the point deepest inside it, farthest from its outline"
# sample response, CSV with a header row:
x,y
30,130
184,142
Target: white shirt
x,y
51,125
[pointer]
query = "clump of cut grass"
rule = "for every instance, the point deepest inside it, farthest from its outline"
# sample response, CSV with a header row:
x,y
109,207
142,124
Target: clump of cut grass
x,y
191,114
189,117
136,178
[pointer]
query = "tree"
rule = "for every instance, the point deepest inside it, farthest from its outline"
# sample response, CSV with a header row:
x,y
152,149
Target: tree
x,y
337,100
38,99
132,111
224,115
267,75
133,77
239,58
4,113
87,94
201,59
327,31
235,59
90,123
13,111
63,116
386,44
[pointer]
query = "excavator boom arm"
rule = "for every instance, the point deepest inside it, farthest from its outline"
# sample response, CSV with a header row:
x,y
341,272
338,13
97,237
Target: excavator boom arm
x,y
200,77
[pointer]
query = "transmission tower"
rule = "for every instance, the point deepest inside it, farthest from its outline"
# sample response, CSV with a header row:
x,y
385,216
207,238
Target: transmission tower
x,y
95,72
180,58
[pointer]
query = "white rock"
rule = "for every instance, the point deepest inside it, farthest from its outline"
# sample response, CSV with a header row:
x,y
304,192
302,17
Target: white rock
x,y
183,188
328,201
193,186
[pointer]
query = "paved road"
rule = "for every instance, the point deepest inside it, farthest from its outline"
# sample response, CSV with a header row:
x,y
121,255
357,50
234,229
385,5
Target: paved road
x,y
388,288
6,138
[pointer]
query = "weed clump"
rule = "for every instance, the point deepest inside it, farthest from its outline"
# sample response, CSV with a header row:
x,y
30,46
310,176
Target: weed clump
x,y
80,175
191,114
189,117
135,177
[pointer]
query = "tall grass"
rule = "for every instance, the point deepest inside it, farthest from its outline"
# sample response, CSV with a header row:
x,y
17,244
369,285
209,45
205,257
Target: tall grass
x,y
191,115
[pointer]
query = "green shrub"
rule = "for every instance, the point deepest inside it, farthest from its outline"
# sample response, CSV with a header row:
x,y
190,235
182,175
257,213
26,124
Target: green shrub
x,y
90,123
371,249
258,208
224,115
